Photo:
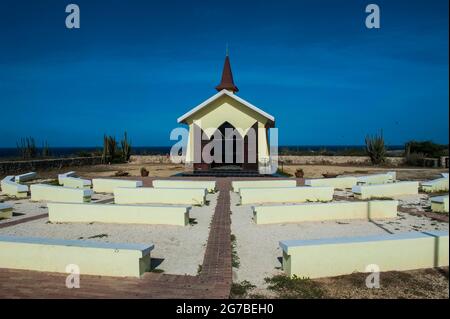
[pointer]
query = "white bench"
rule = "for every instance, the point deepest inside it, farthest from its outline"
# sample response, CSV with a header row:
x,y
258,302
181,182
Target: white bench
x,y
385,190
11,188
43,192
92,258
120,214
209,185
444,175
436,185
340,256
308,212
285,195
150,195
271,183
375,179
439,204
104,185
61,177
6,210
75,182
25,177
336,182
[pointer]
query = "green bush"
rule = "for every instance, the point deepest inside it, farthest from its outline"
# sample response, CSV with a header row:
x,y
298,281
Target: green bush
x,y
376,149
426,148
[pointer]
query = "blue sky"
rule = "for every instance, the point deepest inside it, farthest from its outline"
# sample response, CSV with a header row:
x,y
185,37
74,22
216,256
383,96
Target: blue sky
x,y
138,65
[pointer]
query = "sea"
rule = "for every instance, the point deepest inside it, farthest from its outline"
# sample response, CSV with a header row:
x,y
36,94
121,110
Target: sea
x,y
12,152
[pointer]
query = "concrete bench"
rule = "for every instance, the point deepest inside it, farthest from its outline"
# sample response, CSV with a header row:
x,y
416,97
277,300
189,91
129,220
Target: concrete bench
x,y
149,195
340,256
11,188
75,182
436,185
444,175
439,204
104,185
25,177
92,258
237,185
209,185
6,210
385,190
285,195
374,179
120,214
61,177
308,212
43,192
337,182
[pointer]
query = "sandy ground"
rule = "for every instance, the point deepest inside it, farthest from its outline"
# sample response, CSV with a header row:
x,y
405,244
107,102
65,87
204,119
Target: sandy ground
x,y
258,245
178,250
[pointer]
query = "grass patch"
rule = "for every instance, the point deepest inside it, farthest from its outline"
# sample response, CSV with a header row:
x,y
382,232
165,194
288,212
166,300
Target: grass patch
x,y
294,288
235,262
241,289
157,270
199,269
193,221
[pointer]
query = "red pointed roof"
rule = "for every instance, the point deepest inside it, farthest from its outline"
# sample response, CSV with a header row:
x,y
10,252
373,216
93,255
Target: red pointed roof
x,y
227,82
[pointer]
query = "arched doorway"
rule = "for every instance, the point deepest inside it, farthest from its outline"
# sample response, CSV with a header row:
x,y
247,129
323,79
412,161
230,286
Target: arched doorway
x,y
232,146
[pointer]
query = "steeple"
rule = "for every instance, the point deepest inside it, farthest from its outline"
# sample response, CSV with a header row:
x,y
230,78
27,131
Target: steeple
x,y
227,82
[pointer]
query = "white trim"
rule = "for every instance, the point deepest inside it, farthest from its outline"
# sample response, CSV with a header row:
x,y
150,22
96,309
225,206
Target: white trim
x,y
219,94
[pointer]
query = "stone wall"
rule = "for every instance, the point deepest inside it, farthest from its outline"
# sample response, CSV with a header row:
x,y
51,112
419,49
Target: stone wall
x,y
17,167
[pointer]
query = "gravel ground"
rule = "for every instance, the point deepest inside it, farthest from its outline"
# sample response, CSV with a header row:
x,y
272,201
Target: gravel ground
x,y
258,248
178,250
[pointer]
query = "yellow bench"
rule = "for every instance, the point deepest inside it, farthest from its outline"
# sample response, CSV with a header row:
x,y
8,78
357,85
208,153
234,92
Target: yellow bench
x,y
209,185
237,185
385,190
121,214
306,212
105,185
337,182
285,195
11,188
439,204
92,258
340,256
375,179
149,195
42,192
6,210
61,177
436,185
75,182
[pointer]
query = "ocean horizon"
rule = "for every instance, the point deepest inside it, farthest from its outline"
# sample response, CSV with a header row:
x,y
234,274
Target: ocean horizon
x,y
67,151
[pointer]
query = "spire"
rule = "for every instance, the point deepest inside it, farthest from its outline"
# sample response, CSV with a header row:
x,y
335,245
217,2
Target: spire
x,y
227,82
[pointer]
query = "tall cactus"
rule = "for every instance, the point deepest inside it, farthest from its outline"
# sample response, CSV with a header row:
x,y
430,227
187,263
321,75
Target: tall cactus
x,y
126,147
376,149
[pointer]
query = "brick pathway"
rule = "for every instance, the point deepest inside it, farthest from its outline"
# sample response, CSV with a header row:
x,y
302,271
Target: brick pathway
x,y
214,280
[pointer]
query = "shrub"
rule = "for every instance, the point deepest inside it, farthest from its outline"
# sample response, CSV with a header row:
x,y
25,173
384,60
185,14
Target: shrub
x,y
376,149
426,148
144,172
295,287
415,159
299,173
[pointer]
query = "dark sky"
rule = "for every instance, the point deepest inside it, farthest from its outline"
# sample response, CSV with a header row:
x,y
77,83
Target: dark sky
x,y
139,65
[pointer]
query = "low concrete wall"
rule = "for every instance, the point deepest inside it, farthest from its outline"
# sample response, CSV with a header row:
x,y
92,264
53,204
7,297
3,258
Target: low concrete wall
x,y
92,258
42,192
324,211
105,185
11,188
208,185
436,185
237,185
150,195
440,204
335,160
119,214
285,195
16,167
338,182
385,190
341,256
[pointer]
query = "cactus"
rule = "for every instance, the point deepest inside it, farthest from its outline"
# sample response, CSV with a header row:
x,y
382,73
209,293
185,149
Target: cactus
x,y
376,149
27,147
126,147
109,148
